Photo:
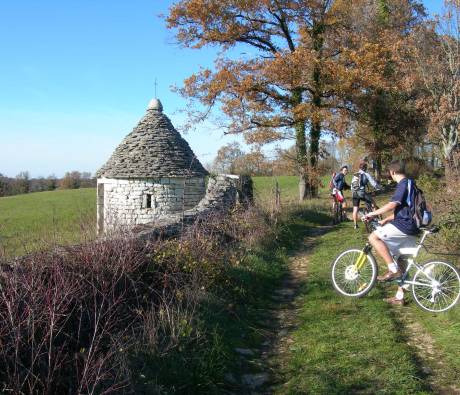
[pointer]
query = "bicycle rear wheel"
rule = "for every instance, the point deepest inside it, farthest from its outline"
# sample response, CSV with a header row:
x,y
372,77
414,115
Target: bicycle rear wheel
x,y
439,286
342,215
354,273
336,214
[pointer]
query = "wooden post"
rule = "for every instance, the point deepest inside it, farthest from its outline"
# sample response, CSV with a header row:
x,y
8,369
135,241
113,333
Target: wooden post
x,y
277,197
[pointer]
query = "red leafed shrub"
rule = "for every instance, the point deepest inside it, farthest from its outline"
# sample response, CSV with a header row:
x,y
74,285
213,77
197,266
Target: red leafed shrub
x,y
66,317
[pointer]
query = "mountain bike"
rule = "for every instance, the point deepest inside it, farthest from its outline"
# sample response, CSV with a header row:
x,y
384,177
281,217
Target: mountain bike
x,y
435,284
338,214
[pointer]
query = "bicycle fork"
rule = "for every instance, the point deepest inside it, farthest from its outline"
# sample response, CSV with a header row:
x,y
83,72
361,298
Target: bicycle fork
x,y
362,256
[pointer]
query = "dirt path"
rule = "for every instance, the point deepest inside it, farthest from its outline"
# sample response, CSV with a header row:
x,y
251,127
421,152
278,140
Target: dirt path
x,y
279,322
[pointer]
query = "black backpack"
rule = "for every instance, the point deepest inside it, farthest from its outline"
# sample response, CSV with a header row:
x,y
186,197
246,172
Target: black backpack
x,y
417,204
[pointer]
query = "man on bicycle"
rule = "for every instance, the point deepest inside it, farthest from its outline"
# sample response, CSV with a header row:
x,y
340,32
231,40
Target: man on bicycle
x,y
398,230
359,184
338,185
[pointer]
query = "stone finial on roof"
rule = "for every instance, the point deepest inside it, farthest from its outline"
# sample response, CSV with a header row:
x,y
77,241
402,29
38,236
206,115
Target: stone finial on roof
x,y
155,104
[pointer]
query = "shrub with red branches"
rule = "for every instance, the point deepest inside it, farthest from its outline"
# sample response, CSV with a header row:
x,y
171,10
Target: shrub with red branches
x,y
73,320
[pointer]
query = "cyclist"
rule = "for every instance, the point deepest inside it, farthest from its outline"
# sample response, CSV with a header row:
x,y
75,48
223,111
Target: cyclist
x,y
359,184
338,185
398,230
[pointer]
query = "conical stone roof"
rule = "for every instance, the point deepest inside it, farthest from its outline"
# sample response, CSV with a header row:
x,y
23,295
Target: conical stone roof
x,y
153,149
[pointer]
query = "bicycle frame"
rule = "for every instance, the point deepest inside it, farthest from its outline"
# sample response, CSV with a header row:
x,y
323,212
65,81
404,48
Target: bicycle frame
x,y
412,253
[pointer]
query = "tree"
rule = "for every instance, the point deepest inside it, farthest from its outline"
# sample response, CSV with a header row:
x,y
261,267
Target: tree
x,y
283,85
226,158
87,181
253,163
385,118
285,162
22,183
71,180
51,182
4,185
436,51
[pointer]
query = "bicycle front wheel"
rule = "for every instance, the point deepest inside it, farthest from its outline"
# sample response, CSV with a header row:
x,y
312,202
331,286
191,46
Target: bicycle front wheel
x,y
354,273
437,287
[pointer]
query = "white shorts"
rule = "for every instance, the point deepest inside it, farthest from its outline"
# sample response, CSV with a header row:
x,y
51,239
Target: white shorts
x,y
395,239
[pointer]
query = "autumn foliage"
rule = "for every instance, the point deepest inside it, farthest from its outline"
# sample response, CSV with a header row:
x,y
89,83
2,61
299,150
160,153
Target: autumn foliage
x,y
310,68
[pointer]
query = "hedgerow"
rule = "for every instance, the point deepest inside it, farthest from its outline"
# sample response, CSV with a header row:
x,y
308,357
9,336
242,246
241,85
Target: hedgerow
x,y
98,317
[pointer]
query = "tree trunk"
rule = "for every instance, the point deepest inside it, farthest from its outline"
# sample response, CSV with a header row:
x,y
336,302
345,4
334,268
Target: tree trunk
x,y
301,148
452,173
302,187
451,151
315,131
315,134
378,169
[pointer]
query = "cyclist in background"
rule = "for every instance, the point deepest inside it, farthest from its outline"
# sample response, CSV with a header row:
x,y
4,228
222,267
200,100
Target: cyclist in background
x,y
359,185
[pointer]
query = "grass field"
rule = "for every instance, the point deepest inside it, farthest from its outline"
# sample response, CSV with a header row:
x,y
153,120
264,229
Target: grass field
x,y
264,188
32,221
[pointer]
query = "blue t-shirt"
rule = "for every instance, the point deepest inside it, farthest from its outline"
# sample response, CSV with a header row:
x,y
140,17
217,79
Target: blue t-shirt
x,y
403,218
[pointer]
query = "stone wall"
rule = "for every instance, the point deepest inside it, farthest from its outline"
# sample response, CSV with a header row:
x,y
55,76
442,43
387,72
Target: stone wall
x,y
123,202
223,193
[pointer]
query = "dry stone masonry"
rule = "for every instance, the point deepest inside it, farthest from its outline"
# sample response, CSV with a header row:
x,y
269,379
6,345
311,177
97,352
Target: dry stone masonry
x,y
222,194
152,173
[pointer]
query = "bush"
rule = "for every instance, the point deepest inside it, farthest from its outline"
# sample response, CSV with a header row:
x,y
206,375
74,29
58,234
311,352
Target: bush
x,y
89,318
446,212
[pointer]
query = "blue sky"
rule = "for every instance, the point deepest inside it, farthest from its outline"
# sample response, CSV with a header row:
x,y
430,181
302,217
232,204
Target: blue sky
x,y
76,76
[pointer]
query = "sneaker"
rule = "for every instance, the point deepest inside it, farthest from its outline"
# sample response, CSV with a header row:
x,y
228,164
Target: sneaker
x,y
356,226
389,276
395,302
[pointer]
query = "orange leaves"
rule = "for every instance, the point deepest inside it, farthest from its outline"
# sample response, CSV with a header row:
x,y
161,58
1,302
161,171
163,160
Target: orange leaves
x,y
339,64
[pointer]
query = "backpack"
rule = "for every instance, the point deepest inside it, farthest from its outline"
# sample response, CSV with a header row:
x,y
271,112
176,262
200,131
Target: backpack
x,y
332,181
417,204
357,182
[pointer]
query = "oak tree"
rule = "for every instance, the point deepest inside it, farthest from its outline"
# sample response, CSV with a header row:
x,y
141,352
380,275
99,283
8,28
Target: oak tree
x,y
283,85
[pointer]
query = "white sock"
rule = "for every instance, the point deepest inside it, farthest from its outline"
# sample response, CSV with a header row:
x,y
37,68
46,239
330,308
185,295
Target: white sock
x,y
393,267
400,294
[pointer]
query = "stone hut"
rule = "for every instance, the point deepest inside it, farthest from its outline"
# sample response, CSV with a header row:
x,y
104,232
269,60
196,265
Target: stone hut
x,y
152,173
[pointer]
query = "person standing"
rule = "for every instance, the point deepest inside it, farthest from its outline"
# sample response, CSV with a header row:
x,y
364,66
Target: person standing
x,y
359,187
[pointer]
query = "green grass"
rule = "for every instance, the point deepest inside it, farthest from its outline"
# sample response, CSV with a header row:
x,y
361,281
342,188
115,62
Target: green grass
x,y
28,222
444,328
264,188
241,314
